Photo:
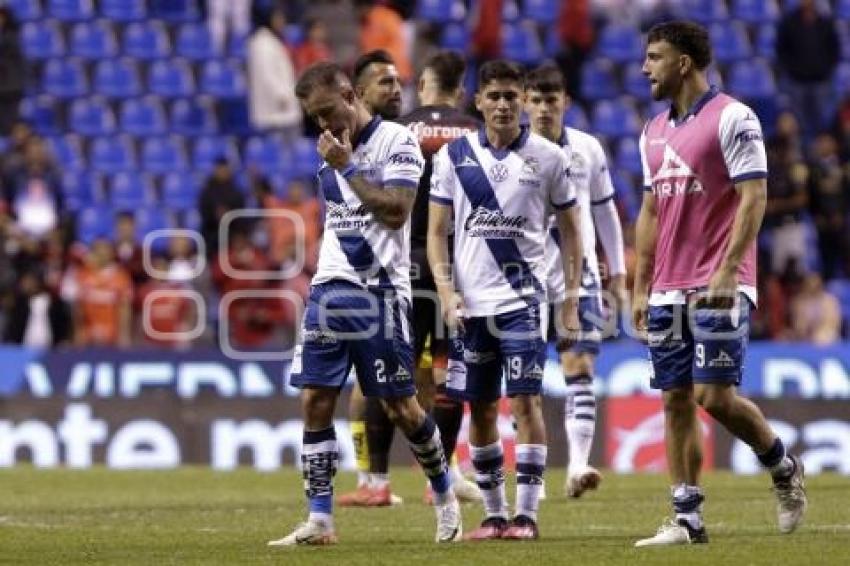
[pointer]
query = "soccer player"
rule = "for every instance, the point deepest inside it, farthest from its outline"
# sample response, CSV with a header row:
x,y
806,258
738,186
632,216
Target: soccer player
x,y
499,184
546,102
695,283
436,122
377,85
358,311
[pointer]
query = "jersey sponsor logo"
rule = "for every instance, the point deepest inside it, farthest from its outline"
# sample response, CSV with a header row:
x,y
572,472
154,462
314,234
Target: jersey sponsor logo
x,y
320,337
467,162
499,172
674,177
748,136
422,130
341,216
474,357
404,159
723,360
485,223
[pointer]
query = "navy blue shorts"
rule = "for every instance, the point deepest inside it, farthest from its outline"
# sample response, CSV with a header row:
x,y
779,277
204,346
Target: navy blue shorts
x,y
511,342
592,324
347,325
691,344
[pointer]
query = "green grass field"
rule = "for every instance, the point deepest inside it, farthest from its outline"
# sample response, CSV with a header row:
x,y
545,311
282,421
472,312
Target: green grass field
x,y
196,516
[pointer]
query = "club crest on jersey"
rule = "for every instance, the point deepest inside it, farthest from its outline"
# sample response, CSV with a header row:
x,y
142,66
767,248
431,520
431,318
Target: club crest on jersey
x,y
499,172
674,177
578,167
531,166
486,223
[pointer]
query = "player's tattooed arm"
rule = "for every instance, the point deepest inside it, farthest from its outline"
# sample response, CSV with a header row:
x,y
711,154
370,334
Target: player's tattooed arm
x,y
645,235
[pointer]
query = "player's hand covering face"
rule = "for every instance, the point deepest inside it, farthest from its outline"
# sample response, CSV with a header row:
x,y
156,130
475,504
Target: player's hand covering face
x,y
500,102
332,110
664,66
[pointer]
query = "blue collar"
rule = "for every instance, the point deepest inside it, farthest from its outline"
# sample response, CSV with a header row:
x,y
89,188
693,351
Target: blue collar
x,y
563,141
698,105
515,145
367,131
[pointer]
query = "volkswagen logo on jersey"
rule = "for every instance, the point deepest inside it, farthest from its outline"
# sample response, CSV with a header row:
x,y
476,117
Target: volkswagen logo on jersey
x,y
499,172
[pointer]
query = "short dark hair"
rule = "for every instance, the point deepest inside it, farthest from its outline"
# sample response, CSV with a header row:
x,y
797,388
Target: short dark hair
x,y
448,66
688,37
500,70
546,78
377,56
327,75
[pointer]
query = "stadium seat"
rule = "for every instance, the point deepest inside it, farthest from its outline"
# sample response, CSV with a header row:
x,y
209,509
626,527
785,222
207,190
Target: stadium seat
x,y
112,154
730,42
841,80
223,79
843,30
266,154
705,12
620,43
80,189
520,43
635,82
842,9
766,41
597,80
628,156
629,193
454,36
91,117
130,191
93,40
67,152
65,78
94,222
615,118
755,11
70,10
654,108
235,117
541,11
193,42
26,10
238,46
42,39
171,77
143,116
436,11
193,117
210,148
576,117
294,35
150,219
41,113
180,191
175,10
752,80
191,220
305,159
161,155
117,78
146,40
124,10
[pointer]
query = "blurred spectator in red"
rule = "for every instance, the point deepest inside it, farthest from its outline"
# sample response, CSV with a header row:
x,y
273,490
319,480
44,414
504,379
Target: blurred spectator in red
x,y
787,202
128,250
271,76
220,14
33,193
38,318
103,302
575,30
828,192
219,196
807,51
487,30
382,27
816,314
13,70
168,314
282,230
315,47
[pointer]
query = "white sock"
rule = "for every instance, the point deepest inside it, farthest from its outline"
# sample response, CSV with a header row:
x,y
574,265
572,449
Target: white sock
x,y
324,518
378,481
530,465
687,503
579,422
489,463
362,478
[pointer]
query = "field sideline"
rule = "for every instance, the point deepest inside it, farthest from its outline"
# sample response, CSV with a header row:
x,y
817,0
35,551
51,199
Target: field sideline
x,y
196,516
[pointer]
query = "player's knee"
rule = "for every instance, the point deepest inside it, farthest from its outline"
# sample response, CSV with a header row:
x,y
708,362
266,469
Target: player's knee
x,y
715,401
525,408
318,406
577,364
404,412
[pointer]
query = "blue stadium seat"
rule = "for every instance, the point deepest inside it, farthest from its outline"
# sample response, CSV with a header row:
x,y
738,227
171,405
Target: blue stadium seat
x,y
597,80
843,30
67,151
175,10
42,39
193,117
112,154
752,80
455,36
238,46
191,220
629,193
91,117
180,191
41,113
146,40
193,42
117,78
628,156
150,219
655,108
755,11
841,80
26,10
766,41
124,10
437,11
730,42
541,11
94,222
93,40
576,117
266,154
842,9
235,117
615,118
80,189
130,191
520,43
210,148
841,289
171,78
161,155
704,11
635,82
223,79
65,78
143,116
294,35
70,10
620,43
305,159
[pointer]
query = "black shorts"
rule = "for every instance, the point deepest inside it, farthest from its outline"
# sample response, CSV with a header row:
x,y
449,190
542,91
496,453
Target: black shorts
x,y
427,318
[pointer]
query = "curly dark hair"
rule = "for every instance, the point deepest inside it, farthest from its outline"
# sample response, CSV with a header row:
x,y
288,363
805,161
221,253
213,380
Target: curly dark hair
x,y
688,37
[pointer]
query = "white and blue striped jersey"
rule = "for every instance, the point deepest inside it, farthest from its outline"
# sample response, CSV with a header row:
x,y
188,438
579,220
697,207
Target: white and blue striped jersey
x,y
356,247
592,181
501,200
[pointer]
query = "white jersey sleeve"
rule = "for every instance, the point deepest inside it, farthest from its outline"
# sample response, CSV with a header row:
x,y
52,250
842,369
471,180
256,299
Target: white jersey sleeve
x,y
442,178
404,162
644,164
601,188
562,190
605,215
742,143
